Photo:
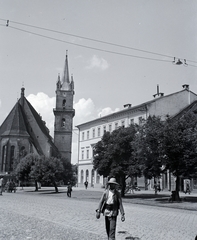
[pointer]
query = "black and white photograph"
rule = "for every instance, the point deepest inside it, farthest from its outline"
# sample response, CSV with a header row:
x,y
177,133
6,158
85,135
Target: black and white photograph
x,y
98,119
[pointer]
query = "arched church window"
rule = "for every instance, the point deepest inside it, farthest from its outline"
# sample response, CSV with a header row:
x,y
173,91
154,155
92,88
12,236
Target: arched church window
x,y
23,152
64,103
4,152
12,157
63,122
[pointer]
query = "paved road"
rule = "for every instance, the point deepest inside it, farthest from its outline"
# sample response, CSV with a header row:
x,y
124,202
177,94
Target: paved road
x,y
44,215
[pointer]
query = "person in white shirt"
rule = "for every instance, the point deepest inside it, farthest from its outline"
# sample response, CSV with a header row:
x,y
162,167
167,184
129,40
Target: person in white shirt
x,y
110,204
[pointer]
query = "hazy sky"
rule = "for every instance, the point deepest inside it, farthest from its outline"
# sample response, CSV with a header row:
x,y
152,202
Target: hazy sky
x,y
123,71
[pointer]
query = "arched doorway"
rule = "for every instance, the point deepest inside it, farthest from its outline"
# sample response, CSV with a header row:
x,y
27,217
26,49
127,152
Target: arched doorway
x,y
82,176
92,178
87,175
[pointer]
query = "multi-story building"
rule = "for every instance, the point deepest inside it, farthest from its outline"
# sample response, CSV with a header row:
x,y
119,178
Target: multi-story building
x,y
91,132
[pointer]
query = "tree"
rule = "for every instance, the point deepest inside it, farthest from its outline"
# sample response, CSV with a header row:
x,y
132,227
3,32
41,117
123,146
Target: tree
x,y
69,172
50,169
24,167
40,169
180,147
148,147
112,154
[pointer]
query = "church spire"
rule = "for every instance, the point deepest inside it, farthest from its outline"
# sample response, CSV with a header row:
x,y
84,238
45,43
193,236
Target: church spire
x,y
65,79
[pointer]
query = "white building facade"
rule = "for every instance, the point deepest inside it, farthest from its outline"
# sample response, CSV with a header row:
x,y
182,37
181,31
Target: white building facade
x,y
91,132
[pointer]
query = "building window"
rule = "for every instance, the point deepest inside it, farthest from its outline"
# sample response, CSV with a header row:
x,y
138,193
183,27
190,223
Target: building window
x,y
99,132
87,175
93,133
97,178
110,128
22,152
81,176
92,178
123,123
132,121
82,136
87,153
88,134
104,129
63,122
64,103
82,154
11,157
116,125
3,158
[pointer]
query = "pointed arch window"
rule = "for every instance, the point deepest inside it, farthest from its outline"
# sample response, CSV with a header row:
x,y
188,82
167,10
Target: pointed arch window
x,y
4,153
12,157
63,122
64,103
22,152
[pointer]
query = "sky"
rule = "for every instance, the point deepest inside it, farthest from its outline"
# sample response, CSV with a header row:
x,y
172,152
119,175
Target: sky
x,y
118,52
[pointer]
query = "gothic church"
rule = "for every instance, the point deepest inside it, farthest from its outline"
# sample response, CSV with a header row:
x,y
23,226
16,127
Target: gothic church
x,y
24,131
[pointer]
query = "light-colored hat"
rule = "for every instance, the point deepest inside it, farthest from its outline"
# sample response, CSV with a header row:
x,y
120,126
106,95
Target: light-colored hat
x,y
112,181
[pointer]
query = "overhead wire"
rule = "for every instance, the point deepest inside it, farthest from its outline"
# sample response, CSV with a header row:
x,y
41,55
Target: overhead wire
x,y
91,39
93,48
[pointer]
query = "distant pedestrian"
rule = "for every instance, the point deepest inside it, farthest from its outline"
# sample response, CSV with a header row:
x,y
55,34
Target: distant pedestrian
x,y
158,186
69,190
155,187
110,204
86,184
187,190
1,186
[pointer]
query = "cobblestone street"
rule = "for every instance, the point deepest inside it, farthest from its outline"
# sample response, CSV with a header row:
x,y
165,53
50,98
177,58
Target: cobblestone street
x,y
44,215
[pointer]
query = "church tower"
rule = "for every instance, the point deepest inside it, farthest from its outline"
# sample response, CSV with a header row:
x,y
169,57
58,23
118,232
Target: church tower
x,y
64,113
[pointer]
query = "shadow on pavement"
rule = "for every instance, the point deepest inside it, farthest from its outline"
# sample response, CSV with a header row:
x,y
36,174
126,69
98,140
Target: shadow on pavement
x,y
145,196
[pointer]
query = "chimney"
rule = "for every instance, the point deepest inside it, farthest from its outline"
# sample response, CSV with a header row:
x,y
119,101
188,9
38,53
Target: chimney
x,y
158,94
127,105
185,86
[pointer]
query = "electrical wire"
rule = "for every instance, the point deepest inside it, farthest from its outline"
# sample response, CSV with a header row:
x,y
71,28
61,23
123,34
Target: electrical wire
x,y
93,48
91,39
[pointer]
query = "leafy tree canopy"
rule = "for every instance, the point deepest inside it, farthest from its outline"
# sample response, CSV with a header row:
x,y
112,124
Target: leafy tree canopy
x,y
113,152
180,145
148,147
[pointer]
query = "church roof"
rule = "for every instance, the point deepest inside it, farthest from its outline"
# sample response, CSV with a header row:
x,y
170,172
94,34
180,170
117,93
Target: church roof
x,y
14,124
24,121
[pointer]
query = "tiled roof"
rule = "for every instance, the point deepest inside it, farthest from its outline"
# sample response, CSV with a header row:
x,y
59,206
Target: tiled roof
x,y
14,124
17,124
191,108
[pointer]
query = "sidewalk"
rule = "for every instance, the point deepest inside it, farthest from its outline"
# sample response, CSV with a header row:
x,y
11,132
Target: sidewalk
x,y
148,197
188,202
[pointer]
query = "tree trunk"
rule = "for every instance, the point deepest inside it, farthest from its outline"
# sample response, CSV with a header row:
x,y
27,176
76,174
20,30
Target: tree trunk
x,y
56,188
177,197
36,186
123,184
